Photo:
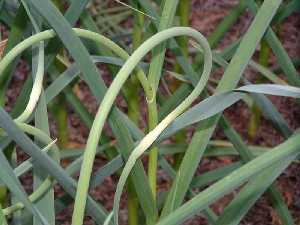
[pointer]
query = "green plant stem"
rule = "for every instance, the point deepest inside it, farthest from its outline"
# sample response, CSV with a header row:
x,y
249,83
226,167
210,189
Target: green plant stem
x,y
153,155
132,204
85,34
283,59
60,114
88,23
47,34
155,71
2,217
68,183
183,9
47,183
183,13
255,110
60,111
18,28
25,166
246,156
133,89
61,117
279,156
3,195
148,140
229,80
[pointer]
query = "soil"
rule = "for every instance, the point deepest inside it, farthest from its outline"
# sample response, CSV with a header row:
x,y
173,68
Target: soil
x,y
204,16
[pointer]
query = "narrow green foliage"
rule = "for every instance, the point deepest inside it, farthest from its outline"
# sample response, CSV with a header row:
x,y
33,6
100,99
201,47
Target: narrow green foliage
x,y
229,80
155,72
255,111
133,101
8,177
170,108
257,186
2,217
233,180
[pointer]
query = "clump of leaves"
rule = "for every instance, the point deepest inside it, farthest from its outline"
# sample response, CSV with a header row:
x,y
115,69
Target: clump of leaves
x,y
257,168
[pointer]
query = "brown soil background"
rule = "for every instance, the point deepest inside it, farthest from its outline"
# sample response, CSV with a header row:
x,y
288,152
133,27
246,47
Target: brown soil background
x,y
204,16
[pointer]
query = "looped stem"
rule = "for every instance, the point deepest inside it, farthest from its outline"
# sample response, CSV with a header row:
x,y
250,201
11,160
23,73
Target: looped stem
x,y
42,36
106,105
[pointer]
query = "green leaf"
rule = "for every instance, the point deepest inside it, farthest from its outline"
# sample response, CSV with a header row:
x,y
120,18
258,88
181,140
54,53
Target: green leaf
x,y
45,162
217,103
279,155
46,203
286,10
208,213
8,177
250,194
271,113
96,84
214,175
203,110
103,172
110,168
229,80
233,213
281,54
2,217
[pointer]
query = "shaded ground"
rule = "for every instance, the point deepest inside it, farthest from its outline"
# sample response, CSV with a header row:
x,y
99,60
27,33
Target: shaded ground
x,y
204,17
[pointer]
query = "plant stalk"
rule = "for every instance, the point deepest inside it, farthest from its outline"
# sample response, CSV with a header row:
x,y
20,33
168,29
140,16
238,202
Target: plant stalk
x,y
183,13
132,89
255,110
155,71
60,114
